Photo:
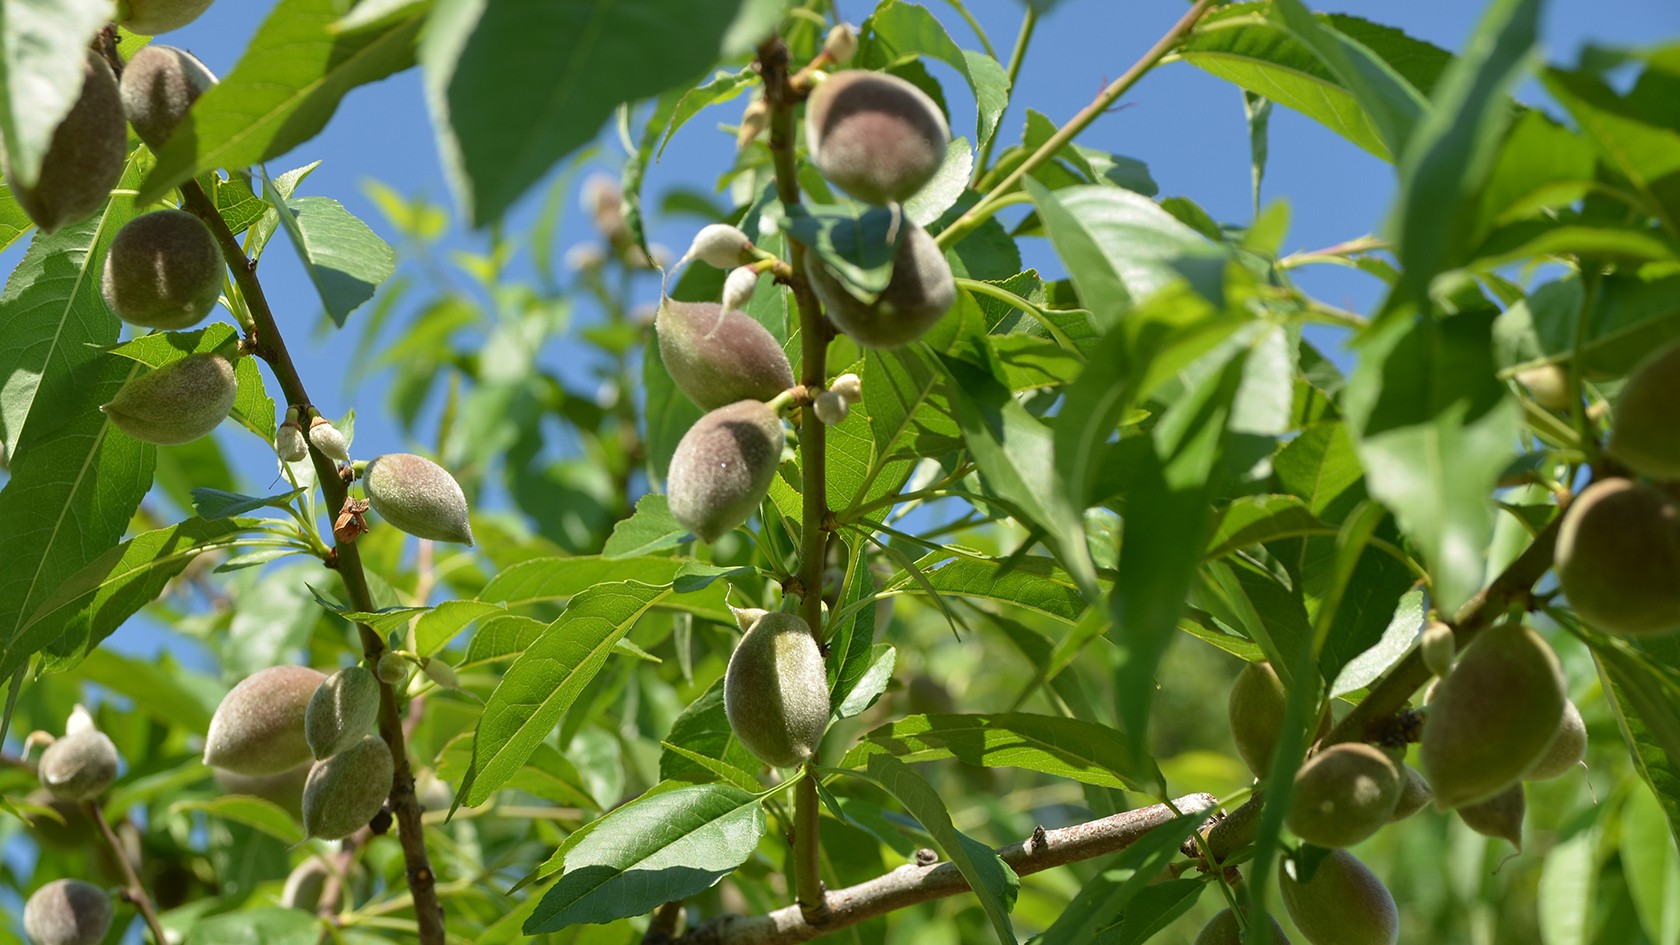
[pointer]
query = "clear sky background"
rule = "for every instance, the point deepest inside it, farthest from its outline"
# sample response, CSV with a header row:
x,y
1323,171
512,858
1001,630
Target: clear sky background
x,y
1187,125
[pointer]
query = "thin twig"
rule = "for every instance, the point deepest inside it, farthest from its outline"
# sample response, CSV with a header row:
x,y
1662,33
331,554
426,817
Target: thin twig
x,y
135,891
913,884
989,204
267,343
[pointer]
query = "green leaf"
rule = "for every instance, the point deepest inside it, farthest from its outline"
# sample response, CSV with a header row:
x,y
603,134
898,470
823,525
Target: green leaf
x,y
1065,748
547,774
516,86
501,638
1258,519
43,47
1436,428
653,850
723,87
1393,105
88,605
281,93
167,693
1033,583
436,627
1626,319
900,389
856,242
1633,134
1102,901
949,182
265,816
13,221
651,528
896,30
1012,447
993,882
1153,909
710,748
1444,168
345,259
1651,865
1647,715
1567,894
272,925
856,698
551,579
548,677
215,503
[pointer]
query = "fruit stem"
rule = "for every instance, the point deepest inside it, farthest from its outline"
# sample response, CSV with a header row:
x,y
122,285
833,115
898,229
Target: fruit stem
x,y
1513,585
267,343
813,369
990,203
1029,22
135,891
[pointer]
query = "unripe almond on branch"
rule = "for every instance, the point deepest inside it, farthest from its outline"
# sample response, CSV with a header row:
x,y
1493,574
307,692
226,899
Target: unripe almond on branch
x,y
1415,794
327,438
841,43
151,17
342,710
1618,552
345,791
920,292
738,287
289,443
874,135
1493,717
1548,385
1343,795
1500,816
258,727
80,765
1223,929
775,690
723,466
163,271
304,885
754,120
1255,709
84,159
67,912
418,496
1236,831
718,357
1567,749
158,86
1642,426
1438,647
849,386
1343,904
176,403
391,669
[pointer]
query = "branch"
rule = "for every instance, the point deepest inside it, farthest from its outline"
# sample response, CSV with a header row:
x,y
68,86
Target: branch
x,y
909,884
813,539
1513,586
989,204
135,891
267,343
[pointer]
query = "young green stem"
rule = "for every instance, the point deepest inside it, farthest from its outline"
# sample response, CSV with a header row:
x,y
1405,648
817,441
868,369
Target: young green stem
x,y
135,891
990,203
813,542
267,343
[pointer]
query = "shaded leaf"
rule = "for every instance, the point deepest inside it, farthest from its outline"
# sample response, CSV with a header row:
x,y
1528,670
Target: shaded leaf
x,y
1066,748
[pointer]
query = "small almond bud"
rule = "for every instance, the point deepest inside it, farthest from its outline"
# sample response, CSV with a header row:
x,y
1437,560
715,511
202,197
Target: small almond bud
x,y
258,727
328,440
849,386
342,710
738,287
392,669
289,442
418,496
176,403
345,791
721,245
80,765
1438,647
67,912
842,43
753,122
442,673
831,408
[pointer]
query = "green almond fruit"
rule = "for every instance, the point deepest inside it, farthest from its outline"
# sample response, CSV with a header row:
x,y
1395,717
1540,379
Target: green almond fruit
x,y
874,135
343,709
920,292
1493,717
345,791
1343,904
1618,551
1642,423
176,403
84,159
1236,831
723,466
718,357
419,497
775,690
1344,794
79,766
1415,794
304,885
158,86
67,912
1255,709
1567,749
1501,816
151,17
258,727
163,270
1223,929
